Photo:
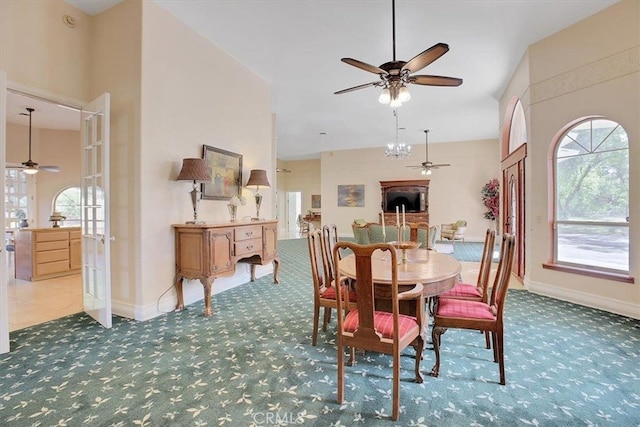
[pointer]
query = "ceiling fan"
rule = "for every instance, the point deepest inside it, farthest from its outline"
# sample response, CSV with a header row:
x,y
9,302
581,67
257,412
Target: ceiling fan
x,y
427,166
30,167
395,75
283,170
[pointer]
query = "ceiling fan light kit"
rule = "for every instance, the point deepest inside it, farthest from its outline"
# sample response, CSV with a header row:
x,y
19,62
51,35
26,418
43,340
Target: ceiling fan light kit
x,y
396,75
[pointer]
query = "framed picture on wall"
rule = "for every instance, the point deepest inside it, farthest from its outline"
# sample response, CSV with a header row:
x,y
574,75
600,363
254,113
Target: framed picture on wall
x,y
315,201
226,174
351,196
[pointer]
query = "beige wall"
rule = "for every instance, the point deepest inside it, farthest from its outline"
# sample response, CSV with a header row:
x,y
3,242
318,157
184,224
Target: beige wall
x,y
590,68
304,178
171,92
454,192
207,98
48,147
39,51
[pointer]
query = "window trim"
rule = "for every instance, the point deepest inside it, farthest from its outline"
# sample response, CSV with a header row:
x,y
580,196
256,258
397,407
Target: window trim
x,y
553,263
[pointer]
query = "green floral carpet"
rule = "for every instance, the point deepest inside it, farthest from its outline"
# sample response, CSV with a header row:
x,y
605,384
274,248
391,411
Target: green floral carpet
x,y
252,364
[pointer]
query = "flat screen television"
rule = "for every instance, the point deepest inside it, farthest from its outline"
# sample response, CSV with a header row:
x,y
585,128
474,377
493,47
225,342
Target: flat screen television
x,y
413,201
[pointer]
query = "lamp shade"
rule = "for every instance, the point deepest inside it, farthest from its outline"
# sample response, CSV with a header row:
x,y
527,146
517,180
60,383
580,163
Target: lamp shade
x,y
258,177
194,170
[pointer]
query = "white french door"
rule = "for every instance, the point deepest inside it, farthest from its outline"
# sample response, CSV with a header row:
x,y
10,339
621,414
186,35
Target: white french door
x,y
4,304
96,235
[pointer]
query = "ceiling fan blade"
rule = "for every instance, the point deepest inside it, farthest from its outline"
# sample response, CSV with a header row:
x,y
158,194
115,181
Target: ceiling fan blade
x,y
425,58
435,80
440,165
49,168
364,66
356,88
414,167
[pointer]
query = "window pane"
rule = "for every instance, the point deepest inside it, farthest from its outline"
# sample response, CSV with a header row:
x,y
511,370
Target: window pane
x,y
593,187
606,247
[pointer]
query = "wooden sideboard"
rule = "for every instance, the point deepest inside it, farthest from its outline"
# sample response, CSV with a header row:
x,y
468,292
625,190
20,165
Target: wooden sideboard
x,y
45,253
208,251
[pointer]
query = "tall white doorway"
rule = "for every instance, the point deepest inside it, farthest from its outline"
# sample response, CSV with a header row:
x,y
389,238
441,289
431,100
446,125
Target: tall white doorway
x,y
294,209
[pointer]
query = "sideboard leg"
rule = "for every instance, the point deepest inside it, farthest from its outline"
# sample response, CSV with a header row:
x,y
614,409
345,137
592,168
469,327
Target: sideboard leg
x,y
253,272
177,283
276,269
207,283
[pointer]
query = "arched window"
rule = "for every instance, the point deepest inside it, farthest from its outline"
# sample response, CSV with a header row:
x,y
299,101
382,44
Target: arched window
x,y
518,129
68,202
591,197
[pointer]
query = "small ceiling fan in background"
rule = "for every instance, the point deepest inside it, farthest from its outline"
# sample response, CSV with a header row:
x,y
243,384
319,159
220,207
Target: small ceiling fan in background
x,y
283,170
30,167
396,75
427,166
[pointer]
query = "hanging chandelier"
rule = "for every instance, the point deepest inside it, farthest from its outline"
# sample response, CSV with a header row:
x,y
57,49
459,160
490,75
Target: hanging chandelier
x,y
397,150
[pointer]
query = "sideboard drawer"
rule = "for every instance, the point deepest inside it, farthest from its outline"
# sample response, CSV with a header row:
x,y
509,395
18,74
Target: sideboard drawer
x,y
52,267
48,246
50,256
246,247
52,235
249,232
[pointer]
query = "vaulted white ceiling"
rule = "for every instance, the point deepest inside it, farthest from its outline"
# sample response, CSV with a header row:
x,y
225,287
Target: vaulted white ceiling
x,y
296,46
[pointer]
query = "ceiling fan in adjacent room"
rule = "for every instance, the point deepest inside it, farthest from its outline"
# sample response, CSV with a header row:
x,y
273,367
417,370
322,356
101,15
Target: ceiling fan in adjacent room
x,y
283,170
396,75
30,167
427,166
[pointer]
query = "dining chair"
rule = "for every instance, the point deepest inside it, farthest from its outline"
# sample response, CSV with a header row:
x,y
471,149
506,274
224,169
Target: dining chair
x,y
420,232
478,315
329,240
303,224
479,290
324,292
369,329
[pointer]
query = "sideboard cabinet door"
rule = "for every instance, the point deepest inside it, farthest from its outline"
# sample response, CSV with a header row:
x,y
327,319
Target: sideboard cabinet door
x,y
221,250
270,241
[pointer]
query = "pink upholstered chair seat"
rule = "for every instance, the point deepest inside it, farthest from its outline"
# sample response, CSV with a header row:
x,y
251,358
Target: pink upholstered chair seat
x,y
449,307
464,291
383,323
330,293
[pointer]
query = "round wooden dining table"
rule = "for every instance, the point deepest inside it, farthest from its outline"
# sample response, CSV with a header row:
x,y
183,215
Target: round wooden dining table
x,y
437,272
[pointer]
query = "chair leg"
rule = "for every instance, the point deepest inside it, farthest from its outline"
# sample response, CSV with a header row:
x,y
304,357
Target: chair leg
x,y
327,318
340,371
500,342
316,318
494,338
419,346
395,412
435,337
487,339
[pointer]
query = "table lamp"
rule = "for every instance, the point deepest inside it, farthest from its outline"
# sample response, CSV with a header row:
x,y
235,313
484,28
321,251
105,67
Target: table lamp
x,y
195,170
258,177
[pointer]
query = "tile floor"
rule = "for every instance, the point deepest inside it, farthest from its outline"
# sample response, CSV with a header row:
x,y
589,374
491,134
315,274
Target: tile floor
x,y
32,303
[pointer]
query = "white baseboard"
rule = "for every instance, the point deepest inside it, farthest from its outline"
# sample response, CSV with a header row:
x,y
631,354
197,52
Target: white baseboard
x,y
192,291
599,302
